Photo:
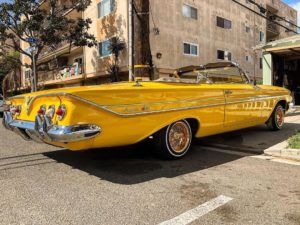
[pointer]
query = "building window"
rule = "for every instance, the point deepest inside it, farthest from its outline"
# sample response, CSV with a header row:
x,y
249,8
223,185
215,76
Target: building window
x,y
104,48
224,23
190,12
261,36
248,29
289,23
190,49
78,65
27,74
261,63
224,55
105,7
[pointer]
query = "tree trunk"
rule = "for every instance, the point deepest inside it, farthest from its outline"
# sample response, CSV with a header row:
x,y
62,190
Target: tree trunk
x,y
143,54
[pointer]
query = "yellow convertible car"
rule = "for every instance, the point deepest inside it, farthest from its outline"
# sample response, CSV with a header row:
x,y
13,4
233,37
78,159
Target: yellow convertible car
x,y
197,101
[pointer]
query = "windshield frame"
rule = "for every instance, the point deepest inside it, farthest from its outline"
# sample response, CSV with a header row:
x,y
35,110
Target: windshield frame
x,y
178,74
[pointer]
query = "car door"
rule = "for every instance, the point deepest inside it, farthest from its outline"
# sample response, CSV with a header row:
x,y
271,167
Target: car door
x,y
243,107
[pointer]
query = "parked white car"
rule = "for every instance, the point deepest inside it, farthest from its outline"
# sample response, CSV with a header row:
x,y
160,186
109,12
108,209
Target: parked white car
x,y
1,103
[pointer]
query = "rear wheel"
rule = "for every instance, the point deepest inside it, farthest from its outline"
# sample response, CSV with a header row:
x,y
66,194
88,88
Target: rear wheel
x,y
276,121
174,141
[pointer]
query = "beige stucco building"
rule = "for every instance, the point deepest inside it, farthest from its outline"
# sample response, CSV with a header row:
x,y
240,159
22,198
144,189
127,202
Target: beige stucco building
x,y
168,34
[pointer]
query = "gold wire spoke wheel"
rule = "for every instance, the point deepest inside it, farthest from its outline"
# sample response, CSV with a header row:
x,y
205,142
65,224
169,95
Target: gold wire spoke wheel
x,y
280,117
179,137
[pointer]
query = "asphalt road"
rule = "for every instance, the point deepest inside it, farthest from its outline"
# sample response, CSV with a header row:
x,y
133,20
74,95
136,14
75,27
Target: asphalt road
x,y
45,185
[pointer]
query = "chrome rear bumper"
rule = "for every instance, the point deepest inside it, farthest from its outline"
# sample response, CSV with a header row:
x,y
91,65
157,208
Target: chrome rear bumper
x,y
42,131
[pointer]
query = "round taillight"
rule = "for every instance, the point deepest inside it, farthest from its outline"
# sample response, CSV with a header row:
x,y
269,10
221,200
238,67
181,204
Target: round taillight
x,y
18,110
42,110
15,110
61,112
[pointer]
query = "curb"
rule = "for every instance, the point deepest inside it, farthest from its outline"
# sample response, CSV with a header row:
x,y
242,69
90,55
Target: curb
x,y
281,150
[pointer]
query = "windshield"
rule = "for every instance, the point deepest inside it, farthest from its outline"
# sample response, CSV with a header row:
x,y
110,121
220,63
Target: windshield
x,y
224,75
210,76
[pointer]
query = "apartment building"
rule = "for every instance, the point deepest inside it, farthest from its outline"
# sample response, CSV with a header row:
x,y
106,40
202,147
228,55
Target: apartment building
x,y
82,65
198,32
168,34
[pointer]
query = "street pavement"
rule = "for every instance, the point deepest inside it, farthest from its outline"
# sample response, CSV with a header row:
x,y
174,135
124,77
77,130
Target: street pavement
x,y
255,139
45,185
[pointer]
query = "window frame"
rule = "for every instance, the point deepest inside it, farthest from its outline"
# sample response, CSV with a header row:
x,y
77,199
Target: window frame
x,y
101,42
262,36
79,57
112,9
224,51
191,44
248,29
261,63
223,23
190,8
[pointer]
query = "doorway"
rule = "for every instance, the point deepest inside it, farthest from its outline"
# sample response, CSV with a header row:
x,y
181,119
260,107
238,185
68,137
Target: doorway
x,y
286,73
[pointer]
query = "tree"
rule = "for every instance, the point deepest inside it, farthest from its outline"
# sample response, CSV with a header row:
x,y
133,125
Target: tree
x,y
116,46
9,68
23,19
8,62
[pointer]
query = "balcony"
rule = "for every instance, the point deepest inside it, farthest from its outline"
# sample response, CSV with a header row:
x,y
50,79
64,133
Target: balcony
x,y
48,50
272,30
63,49
64,74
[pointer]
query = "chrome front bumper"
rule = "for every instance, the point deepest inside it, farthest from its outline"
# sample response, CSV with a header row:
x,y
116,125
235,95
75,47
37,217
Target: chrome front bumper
x,y
42,131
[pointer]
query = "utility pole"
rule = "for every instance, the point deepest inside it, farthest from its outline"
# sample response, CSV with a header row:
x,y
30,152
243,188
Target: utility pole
x,y
33,48
34,80
130,40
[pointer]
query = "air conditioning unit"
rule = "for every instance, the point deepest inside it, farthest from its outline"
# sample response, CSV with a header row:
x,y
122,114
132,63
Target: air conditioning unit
x,y
227,56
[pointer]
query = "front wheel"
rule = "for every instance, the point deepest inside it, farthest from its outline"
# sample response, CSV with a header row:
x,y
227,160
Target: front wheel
x,y
174,141
276,121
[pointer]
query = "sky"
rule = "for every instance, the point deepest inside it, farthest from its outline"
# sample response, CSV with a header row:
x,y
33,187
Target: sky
x,y
296,5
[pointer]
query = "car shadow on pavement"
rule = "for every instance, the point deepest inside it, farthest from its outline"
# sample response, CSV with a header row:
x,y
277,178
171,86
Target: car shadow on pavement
x,y
137,164
250,140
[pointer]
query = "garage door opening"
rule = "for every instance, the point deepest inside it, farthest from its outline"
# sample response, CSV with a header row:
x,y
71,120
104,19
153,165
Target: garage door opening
x,y
281,64
286,73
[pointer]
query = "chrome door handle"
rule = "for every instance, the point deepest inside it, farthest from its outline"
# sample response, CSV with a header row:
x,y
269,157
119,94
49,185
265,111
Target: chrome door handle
x,y
228,92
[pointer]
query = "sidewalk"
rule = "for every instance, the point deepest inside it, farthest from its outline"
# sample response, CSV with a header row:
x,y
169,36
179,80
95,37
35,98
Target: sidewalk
x,y
281,150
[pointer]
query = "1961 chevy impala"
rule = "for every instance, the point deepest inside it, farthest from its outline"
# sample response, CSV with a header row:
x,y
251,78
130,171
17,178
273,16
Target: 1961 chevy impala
x,y
195,102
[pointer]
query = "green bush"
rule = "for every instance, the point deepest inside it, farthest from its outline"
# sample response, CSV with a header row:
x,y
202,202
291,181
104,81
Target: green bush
x,y
294,142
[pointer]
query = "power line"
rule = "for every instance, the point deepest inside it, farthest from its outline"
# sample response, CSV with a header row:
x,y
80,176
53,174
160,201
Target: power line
x,y
265,17
264,11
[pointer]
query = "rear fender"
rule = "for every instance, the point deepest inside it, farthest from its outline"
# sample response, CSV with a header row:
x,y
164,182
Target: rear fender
x,y
172,120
